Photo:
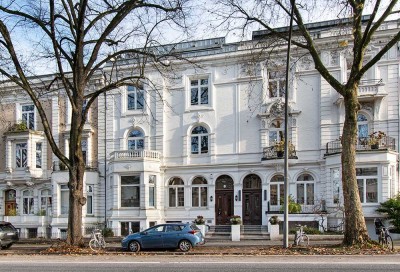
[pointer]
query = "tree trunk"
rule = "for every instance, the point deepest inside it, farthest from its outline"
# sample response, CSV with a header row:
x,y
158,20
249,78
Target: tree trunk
x,y
356,230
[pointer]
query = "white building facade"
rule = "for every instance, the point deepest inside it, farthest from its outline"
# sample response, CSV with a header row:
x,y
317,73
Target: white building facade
x,y
204,140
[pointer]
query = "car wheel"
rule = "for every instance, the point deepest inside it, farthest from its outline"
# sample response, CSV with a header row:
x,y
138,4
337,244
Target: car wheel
x,y
185,245
134,246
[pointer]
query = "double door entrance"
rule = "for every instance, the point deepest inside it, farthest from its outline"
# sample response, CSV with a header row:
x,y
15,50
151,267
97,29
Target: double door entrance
x,y
250,199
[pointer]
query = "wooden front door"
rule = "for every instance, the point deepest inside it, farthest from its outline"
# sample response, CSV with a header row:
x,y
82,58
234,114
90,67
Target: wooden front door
x,y
223,206
10,208
10,203
252,214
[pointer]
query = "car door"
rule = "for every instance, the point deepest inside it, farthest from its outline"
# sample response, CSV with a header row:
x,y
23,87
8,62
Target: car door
x,y
153,237
173,234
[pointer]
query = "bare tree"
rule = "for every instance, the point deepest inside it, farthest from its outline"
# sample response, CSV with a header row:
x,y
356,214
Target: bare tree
x,y
242,15
79,37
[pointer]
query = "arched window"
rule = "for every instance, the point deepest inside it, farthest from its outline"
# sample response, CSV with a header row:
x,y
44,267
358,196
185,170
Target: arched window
x,y
199,140
199,192
176,192
305,189
276,190
45,202
363,129
252,181
135,140
27,202
276,131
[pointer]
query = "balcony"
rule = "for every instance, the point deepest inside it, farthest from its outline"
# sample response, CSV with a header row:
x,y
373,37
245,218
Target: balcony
x,y
371,87
386,143
271,153
135,155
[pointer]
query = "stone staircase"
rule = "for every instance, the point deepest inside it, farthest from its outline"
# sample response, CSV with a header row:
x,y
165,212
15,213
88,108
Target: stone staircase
x,y
248,232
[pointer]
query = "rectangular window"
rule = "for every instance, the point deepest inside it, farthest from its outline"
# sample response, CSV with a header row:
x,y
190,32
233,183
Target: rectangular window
x,y
276,83
28,115
195,196
129,227
21,155
367,182
38,155
199,94
89,199
130,191
152,191
64,199
135,98
84,144
336,185
172,197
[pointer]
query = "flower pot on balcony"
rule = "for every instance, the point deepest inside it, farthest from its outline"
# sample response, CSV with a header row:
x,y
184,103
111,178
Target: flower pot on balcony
x,y
375,146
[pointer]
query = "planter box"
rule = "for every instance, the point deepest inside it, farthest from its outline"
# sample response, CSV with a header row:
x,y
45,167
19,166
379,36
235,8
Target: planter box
x,y
273,232
202,229
235,232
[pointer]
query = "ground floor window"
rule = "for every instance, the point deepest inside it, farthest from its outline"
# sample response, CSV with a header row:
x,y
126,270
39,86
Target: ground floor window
x,y
64,199
367,181
276,190
130,191
129,227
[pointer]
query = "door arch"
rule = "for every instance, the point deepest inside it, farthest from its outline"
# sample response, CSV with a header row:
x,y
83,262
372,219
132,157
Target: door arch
x,y
224,200
252,214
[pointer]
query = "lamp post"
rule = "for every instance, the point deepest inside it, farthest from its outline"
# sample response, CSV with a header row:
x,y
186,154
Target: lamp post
x,y
286,170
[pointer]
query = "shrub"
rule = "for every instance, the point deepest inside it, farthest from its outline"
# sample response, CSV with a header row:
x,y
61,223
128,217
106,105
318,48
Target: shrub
x,y
391,208
274,220
107,232
199,220
236,220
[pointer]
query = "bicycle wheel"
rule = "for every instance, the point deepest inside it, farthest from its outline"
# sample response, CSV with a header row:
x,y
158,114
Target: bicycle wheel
x,y
389,242
94,245
303,240
102,243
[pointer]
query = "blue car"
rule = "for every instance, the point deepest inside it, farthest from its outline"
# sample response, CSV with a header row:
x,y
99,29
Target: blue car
x,y
170,235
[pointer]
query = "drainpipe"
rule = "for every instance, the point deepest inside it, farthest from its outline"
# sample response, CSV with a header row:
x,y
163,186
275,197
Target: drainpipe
x,y
105,160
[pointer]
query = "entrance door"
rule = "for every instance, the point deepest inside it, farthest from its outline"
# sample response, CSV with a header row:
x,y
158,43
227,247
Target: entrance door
x,y
223,206
10,203
252,207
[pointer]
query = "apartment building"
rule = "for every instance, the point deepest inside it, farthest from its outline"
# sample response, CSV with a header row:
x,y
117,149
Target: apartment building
x,y
206,139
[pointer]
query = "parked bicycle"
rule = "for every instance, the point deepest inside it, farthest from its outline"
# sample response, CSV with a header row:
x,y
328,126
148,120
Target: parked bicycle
x,y
301,238
384,237
97,241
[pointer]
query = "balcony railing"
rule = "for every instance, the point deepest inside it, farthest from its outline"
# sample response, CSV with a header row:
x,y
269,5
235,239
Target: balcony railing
x,y
271,153
135,154
59,166
386,143
370,87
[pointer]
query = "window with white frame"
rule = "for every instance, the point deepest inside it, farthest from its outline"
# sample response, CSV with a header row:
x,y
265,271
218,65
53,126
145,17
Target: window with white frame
x,y
46,202
130,191
152,190
176,192
21,155
89,199
276,131
305,189
199,91
199,140
64,199
367,181
135,140
335,174
276,83
276,190
363,130
199,192
38,155
27,202
28,115
135,98
84,145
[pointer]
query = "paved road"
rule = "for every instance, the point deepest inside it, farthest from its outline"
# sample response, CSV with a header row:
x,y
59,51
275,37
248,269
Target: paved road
x,y
200,264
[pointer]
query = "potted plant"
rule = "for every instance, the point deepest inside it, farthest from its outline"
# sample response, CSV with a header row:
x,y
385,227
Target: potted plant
x,y
200,223
236,220
279,148
274,227
375,138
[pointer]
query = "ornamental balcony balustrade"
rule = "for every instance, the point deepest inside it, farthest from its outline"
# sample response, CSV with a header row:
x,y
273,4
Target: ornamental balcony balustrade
x,y
139,154
370,87
272,153
385,143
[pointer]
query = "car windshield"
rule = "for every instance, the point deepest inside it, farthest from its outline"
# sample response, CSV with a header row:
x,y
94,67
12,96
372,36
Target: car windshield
x,y
6,228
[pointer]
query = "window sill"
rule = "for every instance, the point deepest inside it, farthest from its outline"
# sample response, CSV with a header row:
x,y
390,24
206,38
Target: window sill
x,y
193,108
133,113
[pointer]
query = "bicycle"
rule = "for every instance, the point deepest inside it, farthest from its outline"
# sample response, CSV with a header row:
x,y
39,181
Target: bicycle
x,y
97,241
384,237
301,238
